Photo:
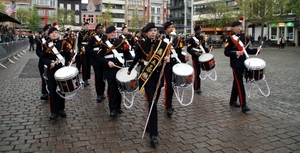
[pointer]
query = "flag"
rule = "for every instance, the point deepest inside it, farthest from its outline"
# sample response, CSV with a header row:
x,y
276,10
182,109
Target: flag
x,y
11,9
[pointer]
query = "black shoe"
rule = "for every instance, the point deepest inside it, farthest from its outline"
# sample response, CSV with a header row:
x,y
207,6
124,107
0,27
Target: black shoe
x,y
113,114
120,111
99,99
245,109
44,97
103,97
53,116
198,91
235,104
153,141
170,111
62,113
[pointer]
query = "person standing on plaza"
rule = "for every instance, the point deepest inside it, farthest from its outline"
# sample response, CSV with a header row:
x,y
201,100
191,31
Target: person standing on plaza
x,y
282,42
175,53
31,38
258,39
235,51
265,38
49,57
151,73
93,48
194,48
83,38
110,56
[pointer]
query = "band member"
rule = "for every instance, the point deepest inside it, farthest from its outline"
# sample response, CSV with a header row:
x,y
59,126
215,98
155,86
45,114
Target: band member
x,y
234,49
153,53
83,39
110,55
129,37
39,48
93,48
55,49
194,48
175,53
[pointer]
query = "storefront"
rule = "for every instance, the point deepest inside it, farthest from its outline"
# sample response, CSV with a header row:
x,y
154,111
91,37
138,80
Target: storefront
x,y
282,29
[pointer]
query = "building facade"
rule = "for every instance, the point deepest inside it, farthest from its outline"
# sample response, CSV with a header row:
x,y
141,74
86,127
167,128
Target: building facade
x,y
74,5
90,13
180,14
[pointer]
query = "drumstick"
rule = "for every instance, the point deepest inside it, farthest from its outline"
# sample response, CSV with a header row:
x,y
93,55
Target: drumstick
x,y
211,48
73,58
118,66
258,50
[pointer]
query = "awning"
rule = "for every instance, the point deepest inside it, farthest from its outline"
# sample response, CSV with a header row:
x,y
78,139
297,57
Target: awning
x,y
4,18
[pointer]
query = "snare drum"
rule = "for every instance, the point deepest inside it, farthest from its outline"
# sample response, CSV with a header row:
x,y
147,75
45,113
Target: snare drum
x,y
207,61
127,83
254,68
67,79
183,75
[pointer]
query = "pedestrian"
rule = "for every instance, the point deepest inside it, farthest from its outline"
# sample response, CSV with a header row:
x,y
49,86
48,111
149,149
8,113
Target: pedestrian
x,y
235,51
265,41
175,53
194,48
282,42
152,71
31,41
111,53
49,57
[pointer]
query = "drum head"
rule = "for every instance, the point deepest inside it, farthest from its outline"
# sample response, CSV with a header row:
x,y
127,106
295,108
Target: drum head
x,y
205,57
182,69
65,73
255,63
122,75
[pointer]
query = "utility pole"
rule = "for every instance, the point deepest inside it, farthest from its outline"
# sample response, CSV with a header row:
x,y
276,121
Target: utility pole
x,y
185,16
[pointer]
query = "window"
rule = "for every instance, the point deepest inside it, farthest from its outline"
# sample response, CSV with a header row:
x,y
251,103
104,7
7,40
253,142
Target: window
x,y
76,7
91,18
158,10
68,6
273,32
152,10
61,5
158,20
290,33
76,18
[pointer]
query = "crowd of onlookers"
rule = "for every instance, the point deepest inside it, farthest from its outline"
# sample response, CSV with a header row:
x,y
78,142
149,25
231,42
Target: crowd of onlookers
x,y
8,34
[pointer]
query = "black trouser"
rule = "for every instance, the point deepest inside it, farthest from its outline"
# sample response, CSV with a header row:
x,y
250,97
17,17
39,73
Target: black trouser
x,y
197,72
114,96
41,69
86,67
31,46
152,124
168,89
57,103
99,82
238,86
78,62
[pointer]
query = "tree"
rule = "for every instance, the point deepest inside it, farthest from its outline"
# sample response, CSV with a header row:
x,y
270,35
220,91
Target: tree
x,y
261,12
34,19
23,15
136,21
2,7
217,14
63,17
106,17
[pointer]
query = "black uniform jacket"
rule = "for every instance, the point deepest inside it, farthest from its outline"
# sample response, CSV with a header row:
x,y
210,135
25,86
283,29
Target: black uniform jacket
x,y
83,36
93,49
192,44
144,52
231,49
39,49
121,47
48,56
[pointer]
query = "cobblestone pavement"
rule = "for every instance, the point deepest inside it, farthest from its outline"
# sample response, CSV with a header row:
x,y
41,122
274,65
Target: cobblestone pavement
x,y
207,125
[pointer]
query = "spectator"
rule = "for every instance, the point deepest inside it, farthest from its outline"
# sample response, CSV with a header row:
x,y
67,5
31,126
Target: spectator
x,y
258,39
264,45
282,42
31,41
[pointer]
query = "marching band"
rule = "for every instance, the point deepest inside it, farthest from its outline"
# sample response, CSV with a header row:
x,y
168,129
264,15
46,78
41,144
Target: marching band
x,y
155,58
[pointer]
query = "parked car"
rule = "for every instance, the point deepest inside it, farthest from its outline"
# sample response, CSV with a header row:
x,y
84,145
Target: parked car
x,y
216,41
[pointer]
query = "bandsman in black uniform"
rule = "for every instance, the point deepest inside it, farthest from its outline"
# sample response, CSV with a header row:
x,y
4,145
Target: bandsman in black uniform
x,y
83,39
49,58
176,53
93,48
129,37
235,52
111,55
194,49
39,48
153,53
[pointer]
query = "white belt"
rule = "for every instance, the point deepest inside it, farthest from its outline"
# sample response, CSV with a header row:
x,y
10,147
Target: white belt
x,y
112,55
96,49
173,56
196,49
83,43
109,56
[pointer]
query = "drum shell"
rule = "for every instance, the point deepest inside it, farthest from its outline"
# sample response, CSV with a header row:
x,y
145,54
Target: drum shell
x,y
254,74
180,79
254,68
128,86
69,82
131,83
207,64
